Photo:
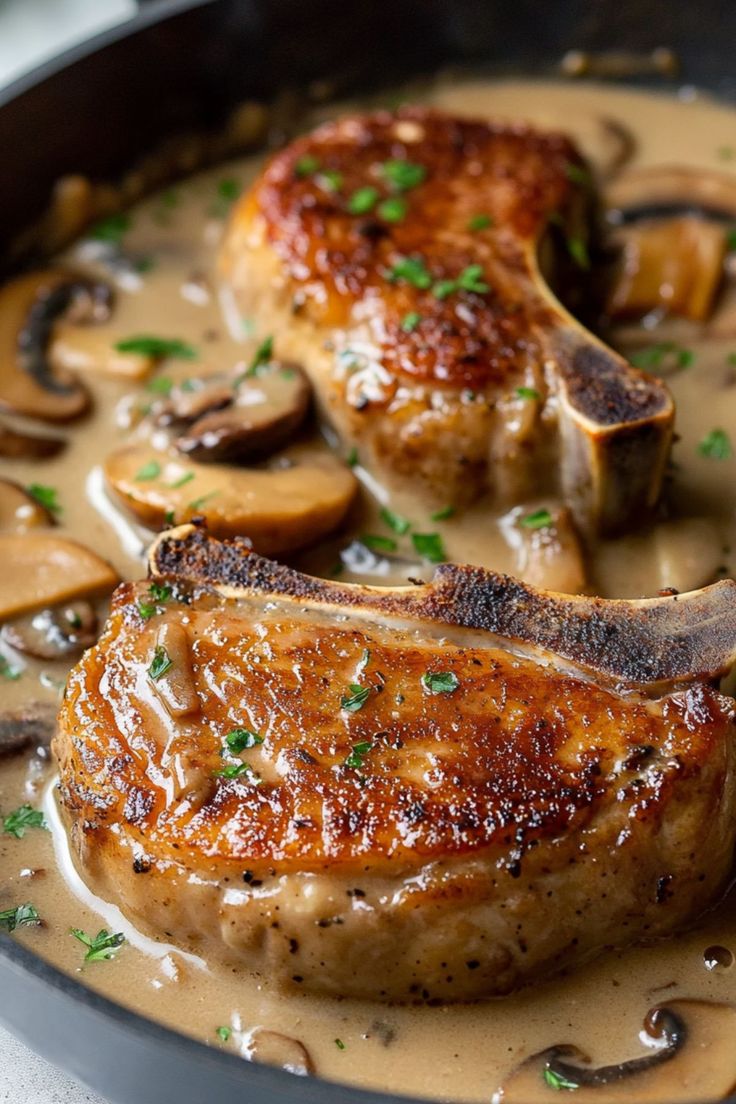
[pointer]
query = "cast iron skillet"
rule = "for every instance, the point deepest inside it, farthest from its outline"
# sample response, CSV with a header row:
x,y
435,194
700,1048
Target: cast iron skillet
x,y
180,65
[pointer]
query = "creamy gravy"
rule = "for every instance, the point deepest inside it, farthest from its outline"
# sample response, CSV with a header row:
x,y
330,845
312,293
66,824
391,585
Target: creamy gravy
x,y
456,1052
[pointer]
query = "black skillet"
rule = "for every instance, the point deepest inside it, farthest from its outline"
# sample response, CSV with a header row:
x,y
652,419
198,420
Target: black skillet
x,y
181,65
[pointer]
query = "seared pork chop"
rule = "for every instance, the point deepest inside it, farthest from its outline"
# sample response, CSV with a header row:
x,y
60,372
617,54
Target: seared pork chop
x,y
397,256
432,793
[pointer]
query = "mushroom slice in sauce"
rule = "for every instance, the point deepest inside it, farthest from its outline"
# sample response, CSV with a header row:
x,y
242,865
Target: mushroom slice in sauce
x,y
274,1049
678,1037
279,508
32,725
245,419
76,348
15,445
42,569
30,306
64,630
20,511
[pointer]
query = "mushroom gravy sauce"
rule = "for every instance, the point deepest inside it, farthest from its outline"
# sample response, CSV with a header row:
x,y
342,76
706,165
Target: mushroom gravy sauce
x,y
162,265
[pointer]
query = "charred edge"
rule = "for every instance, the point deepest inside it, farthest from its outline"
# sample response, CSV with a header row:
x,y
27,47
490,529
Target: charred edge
x,y
607,391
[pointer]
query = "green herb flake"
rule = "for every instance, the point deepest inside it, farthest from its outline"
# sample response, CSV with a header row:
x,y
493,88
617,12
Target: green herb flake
x,y
198,503
356,758
443,514
726,153
102,946
363,200
378,543
149,471
471,279
17,823
731,239
112,229
160,592
237,770
352,457
157,347
558,1081
142,265
355,698
330,180
653,356
8,672
412,270
169,517
716,445
578,250
393,209
443,288
223,1034
394,521
147,610
429,546
440,682
160,385
262,355
340,1044
410,321
479,222
45,496
306,166
577,174
182,481
228,189
403,175
530,393
13,918
238,739
539,519
160,664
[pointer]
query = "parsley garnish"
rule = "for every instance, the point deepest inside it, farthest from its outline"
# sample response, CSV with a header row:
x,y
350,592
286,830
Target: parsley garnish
x,y
393,209
241,738
160,385
262,355
557,1080
429,546
306,165
17,823
539,519
363,200
716,445
352,457
234,770
160,592
576,174
411,269
443,514
223,1034
7,671
158,347
653,355
13,918
578,250
169,517
358,754
731,239
111,229
356,698
339,1044
45,496
228,189
480,222
182,481
149,471
440,682
403,175
330,180
527,393
377,543
197,503
102,946
410,321
470,279
160,663
394,521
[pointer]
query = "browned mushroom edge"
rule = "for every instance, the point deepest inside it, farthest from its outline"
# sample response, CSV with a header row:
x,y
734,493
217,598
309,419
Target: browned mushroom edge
x,y
55,633
30,726
15,445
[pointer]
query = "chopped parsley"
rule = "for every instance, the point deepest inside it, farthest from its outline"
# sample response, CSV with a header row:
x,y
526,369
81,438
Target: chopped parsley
x,y
13,918
539,519
339,1044
45,496
470,279
100,947
429,546
393,209
557,1080
306,166
412,270
394,521
356,697
236,770
443,288
160,592
160,663
578,250
330,180
352,457
654,355
440,682
158,347
726,153
479,222
443,514
403,175
198,503
576,174
410,321
716,445
357,756
7,671
169,517
160,385
527,393
262,355
149,471
17,823
731,239
223,1034
378,543
112,229
363,200
239,739
181,481
228,189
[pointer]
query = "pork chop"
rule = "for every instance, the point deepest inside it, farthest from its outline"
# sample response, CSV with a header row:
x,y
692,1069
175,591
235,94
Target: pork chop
x,y
397,257
432,793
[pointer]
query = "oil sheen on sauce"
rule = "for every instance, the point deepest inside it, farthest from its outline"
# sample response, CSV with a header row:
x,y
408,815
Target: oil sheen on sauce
x,y
458,1053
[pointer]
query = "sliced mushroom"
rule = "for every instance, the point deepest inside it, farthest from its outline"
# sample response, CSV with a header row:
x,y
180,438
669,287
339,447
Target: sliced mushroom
x,y
55,633
76,348
546,547
32,725
29,308
691,1055
41,570
246,419
274,1049
20,511
15,445
281,509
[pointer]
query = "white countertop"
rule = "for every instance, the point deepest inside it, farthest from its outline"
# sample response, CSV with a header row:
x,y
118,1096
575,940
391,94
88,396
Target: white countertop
x,y
32,31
